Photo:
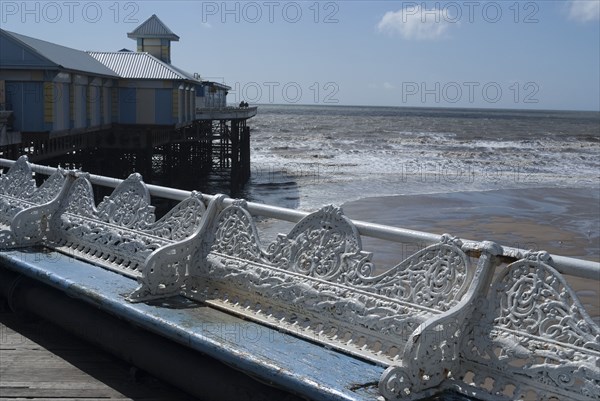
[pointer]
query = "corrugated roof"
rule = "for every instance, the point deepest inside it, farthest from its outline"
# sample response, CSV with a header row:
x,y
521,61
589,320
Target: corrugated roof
x,y
64,57
138,65
153,27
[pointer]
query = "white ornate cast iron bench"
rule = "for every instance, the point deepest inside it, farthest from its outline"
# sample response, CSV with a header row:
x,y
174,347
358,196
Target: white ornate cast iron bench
x,y
312,314
121,233
25,208
531,338
434,320
317,283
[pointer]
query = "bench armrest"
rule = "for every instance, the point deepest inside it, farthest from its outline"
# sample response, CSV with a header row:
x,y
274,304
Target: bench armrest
x,y
30,226
165,270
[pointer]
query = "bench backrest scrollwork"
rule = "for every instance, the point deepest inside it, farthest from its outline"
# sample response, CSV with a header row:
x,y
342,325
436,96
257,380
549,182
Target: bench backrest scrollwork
x,y
317,282
531,338
18,182
121,232
25,208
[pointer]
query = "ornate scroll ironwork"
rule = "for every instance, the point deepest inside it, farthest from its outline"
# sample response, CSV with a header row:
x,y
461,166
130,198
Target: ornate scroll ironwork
x,y
121,233
532,338
432,353
317,282
24,208
18,182
166,270
15,186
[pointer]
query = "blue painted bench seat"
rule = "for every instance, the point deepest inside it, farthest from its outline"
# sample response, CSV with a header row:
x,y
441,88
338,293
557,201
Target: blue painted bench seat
x,y
318,373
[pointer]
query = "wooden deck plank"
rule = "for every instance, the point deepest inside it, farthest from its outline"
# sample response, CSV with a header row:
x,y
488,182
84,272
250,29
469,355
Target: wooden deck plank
x,y
39,361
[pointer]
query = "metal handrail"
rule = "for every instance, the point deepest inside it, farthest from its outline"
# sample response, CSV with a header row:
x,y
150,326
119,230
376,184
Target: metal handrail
x,y
565,265
227,108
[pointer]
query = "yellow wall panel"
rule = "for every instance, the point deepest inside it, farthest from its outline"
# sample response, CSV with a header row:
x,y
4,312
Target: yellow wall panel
x,y
175,103
48,102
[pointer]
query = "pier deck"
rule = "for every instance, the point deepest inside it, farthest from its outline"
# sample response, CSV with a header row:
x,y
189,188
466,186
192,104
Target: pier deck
x,y
39,361
226,113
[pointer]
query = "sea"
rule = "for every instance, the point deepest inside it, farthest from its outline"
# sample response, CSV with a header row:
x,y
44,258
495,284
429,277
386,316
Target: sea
x,y
308,156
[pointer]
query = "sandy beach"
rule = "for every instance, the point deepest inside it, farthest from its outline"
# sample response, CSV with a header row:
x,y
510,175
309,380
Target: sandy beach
x,y
561,221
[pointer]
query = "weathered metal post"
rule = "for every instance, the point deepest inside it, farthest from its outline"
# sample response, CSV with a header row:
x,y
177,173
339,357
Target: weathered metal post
x,y
245,153
235,156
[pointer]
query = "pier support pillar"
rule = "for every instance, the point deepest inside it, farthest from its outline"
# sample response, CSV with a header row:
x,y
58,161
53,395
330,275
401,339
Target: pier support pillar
x,y
235,157
245,153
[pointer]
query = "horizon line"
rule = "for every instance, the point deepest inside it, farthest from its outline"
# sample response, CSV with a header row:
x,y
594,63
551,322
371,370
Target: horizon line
x,y
425,107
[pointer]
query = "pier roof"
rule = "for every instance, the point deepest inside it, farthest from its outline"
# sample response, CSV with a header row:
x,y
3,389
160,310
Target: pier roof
x,y
153,27
139,65
58,56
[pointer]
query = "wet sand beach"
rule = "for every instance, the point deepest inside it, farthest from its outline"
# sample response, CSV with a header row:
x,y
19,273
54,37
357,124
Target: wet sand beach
x,y
561,221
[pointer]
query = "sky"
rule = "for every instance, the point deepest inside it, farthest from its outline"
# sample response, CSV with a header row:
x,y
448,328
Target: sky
x,y
477,54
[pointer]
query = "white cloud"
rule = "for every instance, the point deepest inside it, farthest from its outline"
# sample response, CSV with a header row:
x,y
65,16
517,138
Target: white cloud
x,y
584,10
415,22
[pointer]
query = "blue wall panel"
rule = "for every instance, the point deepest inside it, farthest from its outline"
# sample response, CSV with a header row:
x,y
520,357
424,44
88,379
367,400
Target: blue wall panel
x,y
164,106
27,102
127,106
